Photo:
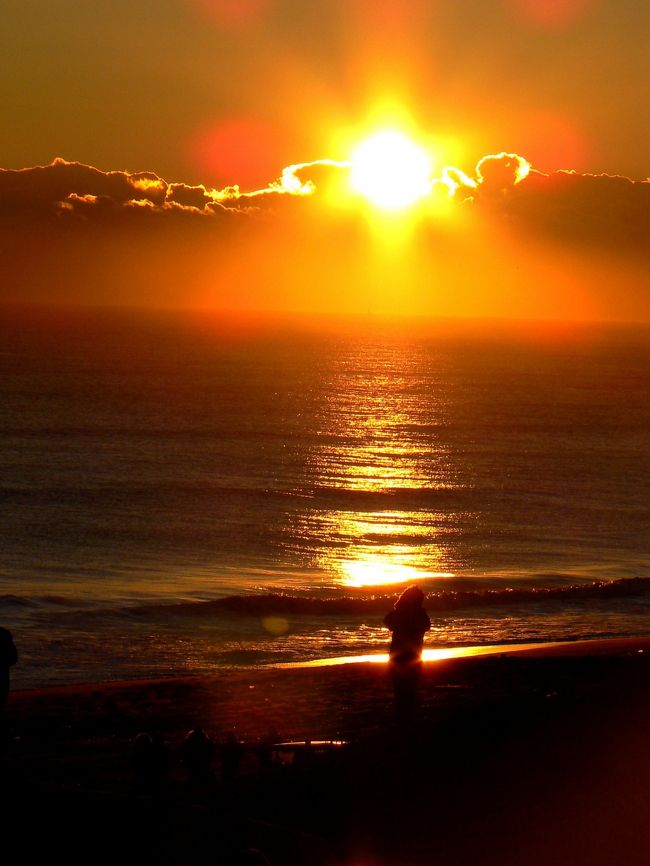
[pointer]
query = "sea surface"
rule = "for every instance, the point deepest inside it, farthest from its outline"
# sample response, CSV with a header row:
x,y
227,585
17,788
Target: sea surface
x,y
182,492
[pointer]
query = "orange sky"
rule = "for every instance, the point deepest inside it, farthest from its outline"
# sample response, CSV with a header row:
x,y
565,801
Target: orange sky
x,y
225,91
504,241
209,93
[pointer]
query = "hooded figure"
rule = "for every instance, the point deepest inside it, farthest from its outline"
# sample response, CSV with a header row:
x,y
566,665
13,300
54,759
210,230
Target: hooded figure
x,y
408,621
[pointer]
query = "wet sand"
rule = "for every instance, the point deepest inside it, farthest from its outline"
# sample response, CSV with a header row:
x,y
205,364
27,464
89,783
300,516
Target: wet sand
x,y
533,756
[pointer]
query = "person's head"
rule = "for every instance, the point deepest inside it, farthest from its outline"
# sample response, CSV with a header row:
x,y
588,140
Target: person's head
x,y
196,734
411,597
142,742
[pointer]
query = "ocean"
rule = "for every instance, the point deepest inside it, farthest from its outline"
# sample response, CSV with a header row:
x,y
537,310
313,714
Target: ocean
x,y
183,492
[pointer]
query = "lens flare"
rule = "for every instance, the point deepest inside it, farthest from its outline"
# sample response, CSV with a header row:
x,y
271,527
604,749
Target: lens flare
x,y
391,170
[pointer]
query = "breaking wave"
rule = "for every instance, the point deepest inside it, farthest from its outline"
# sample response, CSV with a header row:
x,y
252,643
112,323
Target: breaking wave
x,y
270,604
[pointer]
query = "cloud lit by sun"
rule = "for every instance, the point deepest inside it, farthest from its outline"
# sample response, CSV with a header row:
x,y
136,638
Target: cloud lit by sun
x,y
390,170
392,216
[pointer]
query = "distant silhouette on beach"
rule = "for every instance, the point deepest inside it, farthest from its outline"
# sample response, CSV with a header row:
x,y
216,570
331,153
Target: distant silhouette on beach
x,y
150,760
198,754
408,621
232,752
8,658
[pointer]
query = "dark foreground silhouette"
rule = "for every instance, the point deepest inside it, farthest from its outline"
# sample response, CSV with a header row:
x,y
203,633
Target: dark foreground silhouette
x,y
8,658
511,759
408,622
198,755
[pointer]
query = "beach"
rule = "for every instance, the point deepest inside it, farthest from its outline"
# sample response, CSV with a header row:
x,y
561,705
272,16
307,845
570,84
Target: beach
x,y
519,756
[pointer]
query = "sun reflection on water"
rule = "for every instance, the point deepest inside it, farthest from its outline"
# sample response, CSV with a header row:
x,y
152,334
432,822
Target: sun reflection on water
x,y
383,548
379,443
377,571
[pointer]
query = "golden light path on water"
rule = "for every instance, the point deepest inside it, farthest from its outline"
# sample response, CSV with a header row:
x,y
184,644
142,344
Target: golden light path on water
x,y
429,655
375,571
379,439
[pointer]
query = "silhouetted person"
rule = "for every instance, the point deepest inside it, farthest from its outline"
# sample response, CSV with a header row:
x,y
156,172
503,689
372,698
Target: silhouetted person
x,y
265,750
161,759
231,755
8,658
198,753
304,758
150,761
408,621
142,760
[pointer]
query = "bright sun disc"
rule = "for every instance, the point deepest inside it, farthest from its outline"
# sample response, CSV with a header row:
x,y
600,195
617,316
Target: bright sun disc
x,y
390,170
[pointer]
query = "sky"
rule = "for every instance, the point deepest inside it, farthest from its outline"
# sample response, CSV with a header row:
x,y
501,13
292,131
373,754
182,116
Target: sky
x,y
194,96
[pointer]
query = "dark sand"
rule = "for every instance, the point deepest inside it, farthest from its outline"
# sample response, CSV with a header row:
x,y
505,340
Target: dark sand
x,y
534,757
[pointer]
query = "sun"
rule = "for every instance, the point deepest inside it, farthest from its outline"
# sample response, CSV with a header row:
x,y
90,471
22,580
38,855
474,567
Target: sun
x,y
390,170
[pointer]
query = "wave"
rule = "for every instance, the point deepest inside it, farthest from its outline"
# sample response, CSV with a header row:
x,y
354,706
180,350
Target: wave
x,y
10,600
39,602
270,604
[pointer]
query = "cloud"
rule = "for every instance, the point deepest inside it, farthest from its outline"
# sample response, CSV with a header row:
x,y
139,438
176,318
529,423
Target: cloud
x,y
306,178
611,212
503,220
188,196
65,190
37,191
607,213
501,171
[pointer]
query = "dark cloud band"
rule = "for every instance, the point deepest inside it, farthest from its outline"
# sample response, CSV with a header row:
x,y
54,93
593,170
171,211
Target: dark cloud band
x,y
610,211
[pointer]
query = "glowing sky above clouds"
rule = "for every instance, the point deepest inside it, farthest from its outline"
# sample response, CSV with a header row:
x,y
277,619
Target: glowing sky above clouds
x,y
218,91
191,110
500,239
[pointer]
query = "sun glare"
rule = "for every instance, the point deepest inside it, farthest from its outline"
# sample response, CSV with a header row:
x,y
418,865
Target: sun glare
x,y
375,571
391,170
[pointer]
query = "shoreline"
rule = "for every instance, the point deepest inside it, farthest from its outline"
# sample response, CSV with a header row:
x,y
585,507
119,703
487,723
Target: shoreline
x,y
501,746
598,646
583,647
322,699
